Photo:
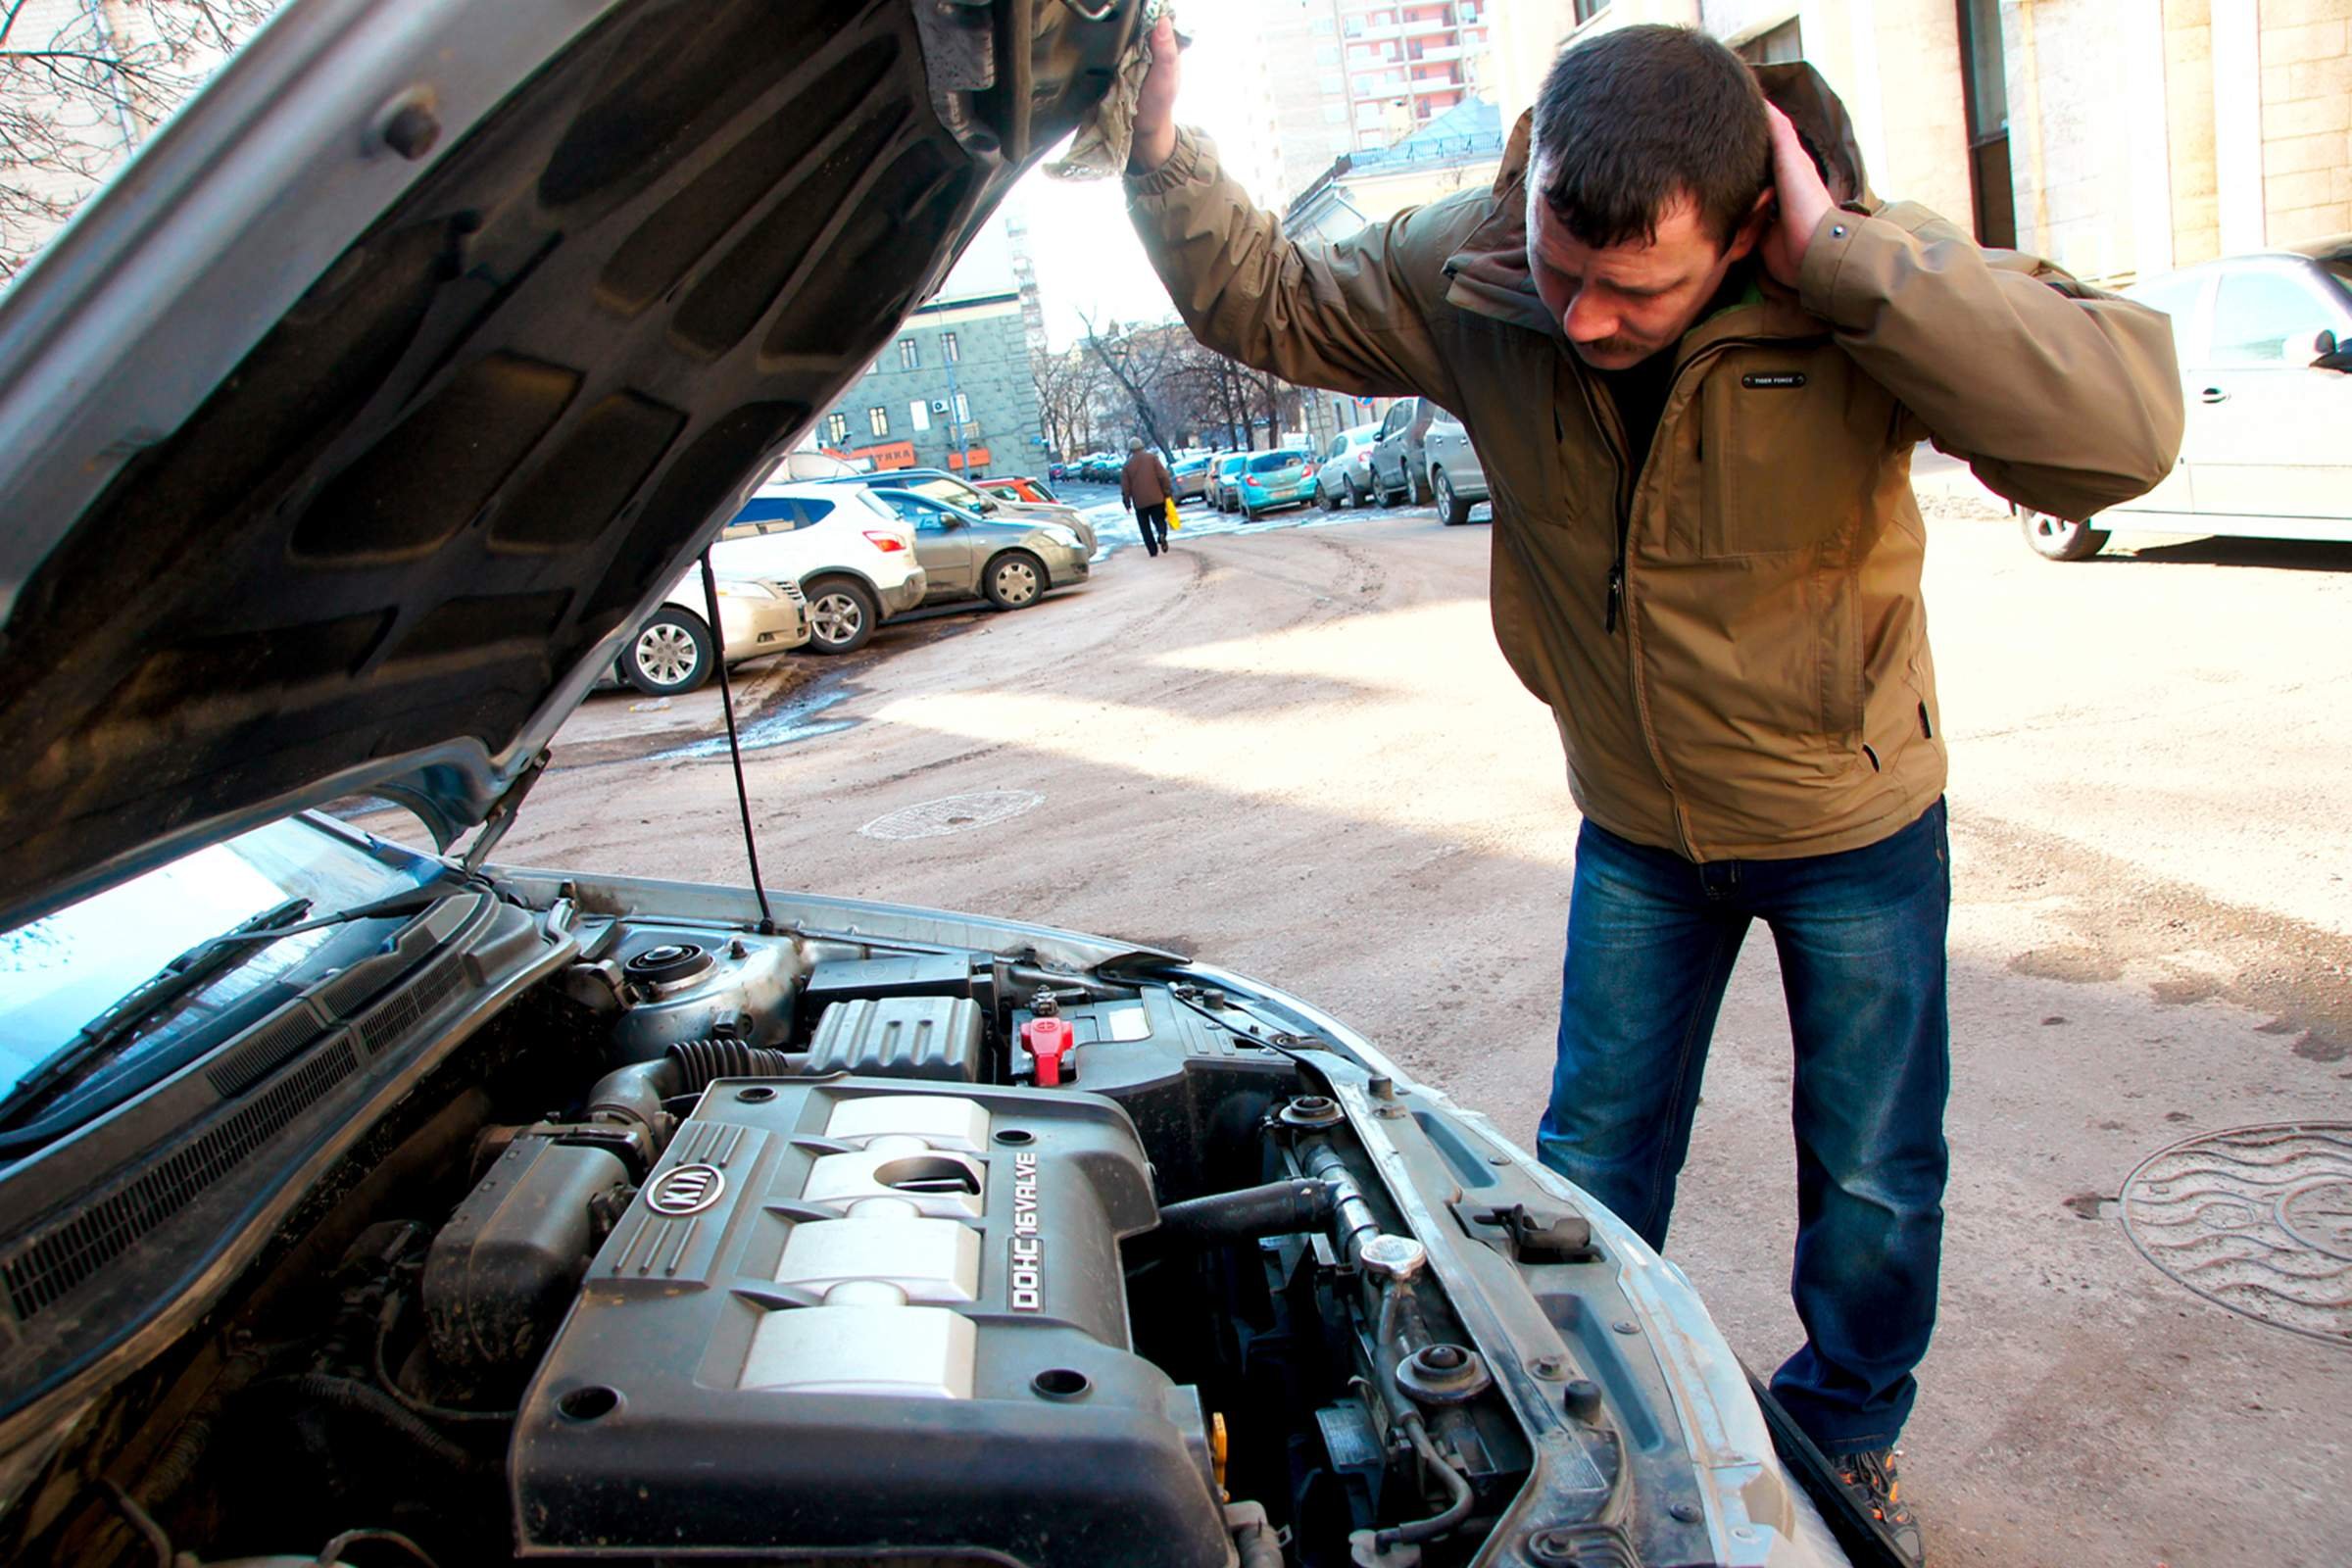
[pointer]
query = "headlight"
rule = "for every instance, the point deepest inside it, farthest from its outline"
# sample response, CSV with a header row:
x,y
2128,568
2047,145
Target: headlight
x,y
740,588
1065,537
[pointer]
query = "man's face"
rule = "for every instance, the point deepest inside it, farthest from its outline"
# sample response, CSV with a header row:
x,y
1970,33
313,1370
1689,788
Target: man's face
x,y
1621,304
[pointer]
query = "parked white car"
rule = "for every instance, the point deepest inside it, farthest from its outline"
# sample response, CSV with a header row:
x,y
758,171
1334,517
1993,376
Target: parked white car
x,y
2264,344
674,652
851,555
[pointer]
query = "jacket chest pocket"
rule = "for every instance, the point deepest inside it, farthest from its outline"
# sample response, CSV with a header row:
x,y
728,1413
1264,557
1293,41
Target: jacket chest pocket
x,y
1789,448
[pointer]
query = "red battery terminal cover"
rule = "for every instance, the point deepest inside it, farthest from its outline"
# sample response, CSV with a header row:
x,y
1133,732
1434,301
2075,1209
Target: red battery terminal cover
x,y
1049,1039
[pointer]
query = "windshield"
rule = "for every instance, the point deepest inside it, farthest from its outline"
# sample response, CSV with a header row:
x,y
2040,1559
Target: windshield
x,y
61,972
1271,460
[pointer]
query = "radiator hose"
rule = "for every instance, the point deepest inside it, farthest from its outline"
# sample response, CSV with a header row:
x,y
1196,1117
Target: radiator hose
x,y
1278,1208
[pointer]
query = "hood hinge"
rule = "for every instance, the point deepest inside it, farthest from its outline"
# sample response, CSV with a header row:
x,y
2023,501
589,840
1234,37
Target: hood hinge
x,y
501,813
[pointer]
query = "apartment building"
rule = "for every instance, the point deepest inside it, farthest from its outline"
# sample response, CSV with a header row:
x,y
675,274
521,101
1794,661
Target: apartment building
x,y
1354,74
2120,138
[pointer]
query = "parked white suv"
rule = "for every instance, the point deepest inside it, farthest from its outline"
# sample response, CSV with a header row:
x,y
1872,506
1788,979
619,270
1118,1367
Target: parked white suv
x,y
852,556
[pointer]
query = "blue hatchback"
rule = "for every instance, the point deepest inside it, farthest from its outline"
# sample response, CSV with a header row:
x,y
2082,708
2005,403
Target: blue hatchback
x,y
1283,477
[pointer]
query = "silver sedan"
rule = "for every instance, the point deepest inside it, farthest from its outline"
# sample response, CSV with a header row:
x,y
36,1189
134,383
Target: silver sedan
x,y
1012,564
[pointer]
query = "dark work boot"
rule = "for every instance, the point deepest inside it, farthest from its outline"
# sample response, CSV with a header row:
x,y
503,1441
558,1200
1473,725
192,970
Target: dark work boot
x,y
1871,1478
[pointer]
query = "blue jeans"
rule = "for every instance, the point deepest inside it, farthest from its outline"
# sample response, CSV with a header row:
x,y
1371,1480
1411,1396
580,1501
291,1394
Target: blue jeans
x,y
1651,938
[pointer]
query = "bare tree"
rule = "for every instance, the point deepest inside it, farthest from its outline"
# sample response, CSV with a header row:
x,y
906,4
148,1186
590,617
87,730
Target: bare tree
x,y
1069,385
1138,360
82,83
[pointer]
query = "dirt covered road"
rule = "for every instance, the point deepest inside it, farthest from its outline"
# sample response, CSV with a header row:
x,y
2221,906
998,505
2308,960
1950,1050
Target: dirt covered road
x,y
1294,751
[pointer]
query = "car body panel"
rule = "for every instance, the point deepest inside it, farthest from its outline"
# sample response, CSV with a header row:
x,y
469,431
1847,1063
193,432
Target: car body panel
x,y
955,545
1224,479
1345,473
1192,478
956,491
757,615
386,222
1417,437
2263,453
1284,476
802,532
1017,488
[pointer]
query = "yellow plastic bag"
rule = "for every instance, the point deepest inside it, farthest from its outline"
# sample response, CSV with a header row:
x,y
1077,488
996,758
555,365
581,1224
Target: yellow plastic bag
x,y
1174,521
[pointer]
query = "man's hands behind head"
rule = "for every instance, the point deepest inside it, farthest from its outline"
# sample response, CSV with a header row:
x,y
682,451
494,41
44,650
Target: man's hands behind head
x,y
1798,193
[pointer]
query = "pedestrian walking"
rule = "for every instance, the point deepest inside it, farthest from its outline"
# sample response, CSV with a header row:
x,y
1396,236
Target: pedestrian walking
x,y
1144,489
1694,353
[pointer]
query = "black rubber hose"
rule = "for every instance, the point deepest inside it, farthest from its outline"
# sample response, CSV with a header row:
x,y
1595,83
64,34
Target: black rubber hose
x,y
363,1400
1278,1208
703,1062
1454,1512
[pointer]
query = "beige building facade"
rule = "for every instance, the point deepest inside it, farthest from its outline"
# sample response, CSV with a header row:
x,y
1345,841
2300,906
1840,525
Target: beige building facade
x,y
2121,138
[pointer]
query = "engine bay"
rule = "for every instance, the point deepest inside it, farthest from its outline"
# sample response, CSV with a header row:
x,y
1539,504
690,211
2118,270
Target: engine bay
x,y
808,1246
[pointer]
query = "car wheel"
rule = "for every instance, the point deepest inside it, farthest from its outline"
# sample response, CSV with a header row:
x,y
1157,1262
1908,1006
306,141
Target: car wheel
x,y
1416,486
1451,507
671,655
1015,580
1381,492
2056,539
841,615
1329,498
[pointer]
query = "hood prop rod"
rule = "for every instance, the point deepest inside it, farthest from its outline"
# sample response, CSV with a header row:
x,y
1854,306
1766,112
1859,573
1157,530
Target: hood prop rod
x,y
726,705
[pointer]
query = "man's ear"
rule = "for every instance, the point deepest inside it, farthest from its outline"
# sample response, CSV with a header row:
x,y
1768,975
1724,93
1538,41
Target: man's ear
x,y
1750,233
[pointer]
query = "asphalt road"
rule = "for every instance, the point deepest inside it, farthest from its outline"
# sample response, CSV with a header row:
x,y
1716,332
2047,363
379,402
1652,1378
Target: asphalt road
x,y
1294,751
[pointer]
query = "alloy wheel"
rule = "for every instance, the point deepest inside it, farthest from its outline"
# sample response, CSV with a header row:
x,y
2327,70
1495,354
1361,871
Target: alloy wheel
x,y
667,654
835,617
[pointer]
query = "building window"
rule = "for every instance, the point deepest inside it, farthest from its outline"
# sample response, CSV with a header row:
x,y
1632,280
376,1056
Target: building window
x,y
947,348
1984,96
908,358
1587,10
917,415
837,428
879,418
964,410
1774,46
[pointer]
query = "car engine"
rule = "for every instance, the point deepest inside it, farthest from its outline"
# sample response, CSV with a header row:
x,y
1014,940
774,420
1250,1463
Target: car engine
x,y
811,1246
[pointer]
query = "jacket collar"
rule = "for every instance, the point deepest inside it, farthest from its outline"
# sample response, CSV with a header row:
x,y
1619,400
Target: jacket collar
x,y
1488,276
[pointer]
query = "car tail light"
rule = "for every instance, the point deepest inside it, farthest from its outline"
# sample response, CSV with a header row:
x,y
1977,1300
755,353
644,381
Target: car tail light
x,y
885,542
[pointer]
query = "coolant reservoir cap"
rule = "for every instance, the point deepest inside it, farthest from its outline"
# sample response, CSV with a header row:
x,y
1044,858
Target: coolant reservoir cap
x,y
1395,1257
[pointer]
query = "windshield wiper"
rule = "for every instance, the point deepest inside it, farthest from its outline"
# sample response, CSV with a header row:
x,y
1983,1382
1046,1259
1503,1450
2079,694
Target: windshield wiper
x,y
193,969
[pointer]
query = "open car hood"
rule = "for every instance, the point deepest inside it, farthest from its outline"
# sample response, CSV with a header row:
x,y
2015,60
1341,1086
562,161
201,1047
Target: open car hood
x,y
345,436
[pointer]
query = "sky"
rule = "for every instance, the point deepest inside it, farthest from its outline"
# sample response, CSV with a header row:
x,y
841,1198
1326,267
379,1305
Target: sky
x,y
1089,263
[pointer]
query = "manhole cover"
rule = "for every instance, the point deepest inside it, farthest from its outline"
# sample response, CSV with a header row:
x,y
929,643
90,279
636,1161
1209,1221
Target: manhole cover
x,y
957,813
2258,1219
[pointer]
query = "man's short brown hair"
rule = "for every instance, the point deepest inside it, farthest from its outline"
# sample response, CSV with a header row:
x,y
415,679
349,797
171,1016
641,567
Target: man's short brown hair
x,y
1636,120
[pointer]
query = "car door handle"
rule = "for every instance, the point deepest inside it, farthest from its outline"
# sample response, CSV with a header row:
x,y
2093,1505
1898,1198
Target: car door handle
x,y
2213,394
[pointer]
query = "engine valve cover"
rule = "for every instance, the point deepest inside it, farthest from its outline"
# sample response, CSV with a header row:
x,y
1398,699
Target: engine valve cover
x,y
871,1313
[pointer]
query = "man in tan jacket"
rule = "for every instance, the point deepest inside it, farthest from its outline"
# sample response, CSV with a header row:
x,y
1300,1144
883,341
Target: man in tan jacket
x,y
1143,489
1695,354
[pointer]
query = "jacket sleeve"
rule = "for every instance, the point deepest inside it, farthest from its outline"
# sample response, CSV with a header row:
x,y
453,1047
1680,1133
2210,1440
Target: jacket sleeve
x,y
1126,488
1343,316
1167,480
2059,397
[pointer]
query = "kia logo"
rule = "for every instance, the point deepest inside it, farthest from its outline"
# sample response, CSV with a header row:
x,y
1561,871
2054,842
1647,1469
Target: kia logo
x,y
685,1190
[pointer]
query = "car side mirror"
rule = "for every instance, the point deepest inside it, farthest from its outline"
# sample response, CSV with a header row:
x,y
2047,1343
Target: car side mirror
x,y
2331,356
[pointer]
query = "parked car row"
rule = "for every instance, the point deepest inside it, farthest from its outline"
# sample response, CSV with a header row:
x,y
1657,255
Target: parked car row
x,y
820,563
1419,452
